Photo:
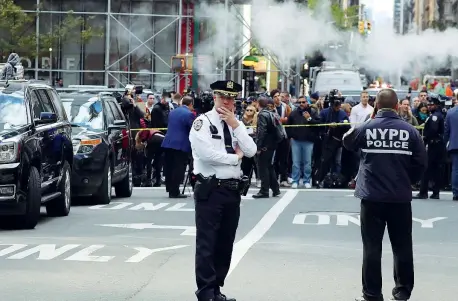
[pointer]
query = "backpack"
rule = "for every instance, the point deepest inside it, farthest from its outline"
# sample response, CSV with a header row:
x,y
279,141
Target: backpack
x,y
278,131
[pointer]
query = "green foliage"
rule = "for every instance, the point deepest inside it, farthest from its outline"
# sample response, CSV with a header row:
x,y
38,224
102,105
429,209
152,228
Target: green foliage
x,y
18,34
442,25
343,18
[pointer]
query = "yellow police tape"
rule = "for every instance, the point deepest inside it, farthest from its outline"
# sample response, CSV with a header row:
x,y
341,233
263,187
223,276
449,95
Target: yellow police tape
x,y
420,127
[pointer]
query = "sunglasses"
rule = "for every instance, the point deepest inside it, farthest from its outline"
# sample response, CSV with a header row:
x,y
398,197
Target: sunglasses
x,y
250,110
301,102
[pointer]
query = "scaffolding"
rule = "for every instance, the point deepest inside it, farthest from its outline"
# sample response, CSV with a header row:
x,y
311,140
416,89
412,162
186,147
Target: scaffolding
x,y
114,74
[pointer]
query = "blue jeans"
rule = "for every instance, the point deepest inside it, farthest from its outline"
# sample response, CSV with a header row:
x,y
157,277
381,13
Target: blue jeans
x,y
302,155
455,174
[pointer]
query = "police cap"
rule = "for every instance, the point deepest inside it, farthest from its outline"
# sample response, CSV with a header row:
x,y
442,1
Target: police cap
x,y
226,88
434,100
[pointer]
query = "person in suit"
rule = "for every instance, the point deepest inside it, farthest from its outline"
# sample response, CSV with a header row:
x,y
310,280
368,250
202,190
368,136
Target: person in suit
x,y
451,140
177,146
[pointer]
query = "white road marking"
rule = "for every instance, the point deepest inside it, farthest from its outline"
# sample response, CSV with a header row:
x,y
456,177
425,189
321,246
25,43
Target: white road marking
x,y
45,251
145,252
327,190
260,229
85,255
342,219
188,231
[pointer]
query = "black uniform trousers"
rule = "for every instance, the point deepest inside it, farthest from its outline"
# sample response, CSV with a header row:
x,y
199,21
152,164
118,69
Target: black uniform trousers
x,y
397,217
436,159
267,172
175,167
217,220
281,160
328,154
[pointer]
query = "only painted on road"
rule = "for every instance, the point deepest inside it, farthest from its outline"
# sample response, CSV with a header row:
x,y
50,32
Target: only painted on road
x,y
345,219
77,252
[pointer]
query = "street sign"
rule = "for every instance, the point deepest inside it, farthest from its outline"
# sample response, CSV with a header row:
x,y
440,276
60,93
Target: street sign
x,y
187,230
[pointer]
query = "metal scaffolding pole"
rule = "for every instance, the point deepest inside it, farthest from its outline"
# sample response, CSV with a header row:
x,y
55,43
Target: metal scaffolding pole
x,y
223,71
37,38
179,50
107,43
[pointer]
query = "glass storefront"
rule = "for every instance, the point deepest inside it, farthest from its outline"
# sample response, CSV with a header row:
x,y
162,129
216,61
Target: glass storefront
x,y
139,39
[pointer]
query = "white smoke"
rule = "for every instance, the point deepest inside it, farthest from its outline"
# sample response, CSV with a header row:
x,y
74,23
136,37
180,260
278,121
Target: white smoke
x,y
289,32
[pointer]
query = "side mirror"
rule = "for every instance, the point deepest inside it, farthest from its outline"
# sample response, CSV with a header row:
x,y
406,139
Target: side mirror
x,y
118,125
46,118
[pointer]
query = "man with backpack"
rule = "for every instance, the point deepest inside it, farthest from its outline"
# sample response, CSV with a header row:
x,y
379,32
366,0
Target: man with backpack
x,y
269,133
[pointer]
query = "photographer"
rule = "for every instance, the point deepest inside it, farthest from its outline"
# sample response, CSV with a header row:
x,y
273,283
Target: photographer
x,y
332,136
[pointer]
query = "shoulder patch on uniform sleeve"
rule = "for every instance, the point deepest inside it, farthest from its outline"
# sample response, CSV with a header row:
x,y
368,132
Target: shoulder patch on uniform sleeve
x,y
197,124
434,118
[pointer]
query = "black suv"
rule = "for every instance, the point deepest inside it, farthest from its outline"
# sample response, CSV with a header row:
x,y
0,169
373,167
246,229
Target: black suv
x,y
36,154
101,145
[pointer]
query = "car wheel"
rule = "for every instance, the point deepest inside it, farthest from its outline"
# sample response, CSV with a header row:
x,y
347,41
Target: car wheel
x,y
60,206
124,188
104,194
33,203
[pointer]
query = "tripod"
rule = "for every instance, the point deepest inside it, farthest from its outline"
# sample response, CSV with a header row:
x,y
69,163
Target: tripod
x,y
188,178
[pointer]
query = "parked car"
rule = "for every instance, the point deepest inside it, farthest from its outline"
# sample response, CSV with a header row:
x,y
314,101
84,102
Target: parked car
x,y
101,146
36,155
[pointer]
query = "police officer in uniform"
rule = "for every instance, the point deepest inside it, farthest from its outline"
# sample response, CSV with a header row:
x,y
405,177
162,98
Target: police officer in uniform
x,y
392,156
219,142
433,136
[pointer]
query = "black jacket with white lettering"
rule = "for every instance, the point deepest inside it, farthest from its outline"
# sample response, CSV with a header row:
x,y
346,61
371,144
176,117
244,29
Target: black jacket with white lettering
x,y
392,157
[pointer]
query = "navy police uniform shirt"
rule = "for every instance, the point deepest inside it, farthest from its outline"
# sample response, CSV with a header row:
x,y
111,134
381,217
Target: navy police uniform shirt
x,y
392,157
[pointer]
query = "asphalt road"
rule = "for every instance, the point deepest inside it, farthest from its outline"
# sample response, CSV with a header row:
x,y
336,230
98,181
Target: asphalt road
x,y
303,245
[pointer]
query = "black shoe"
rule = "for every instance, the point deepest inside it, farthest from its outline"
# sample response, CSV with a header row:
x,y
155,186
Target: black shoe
x,y
177,196
434,196
399,297
157,184
420,196
221,297
276,193
455,198
261,195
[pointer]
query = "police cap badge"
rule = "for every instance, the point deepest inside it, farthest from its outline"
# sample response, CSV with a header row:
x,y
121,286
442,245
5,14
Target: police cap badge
x,y
226,88
197,124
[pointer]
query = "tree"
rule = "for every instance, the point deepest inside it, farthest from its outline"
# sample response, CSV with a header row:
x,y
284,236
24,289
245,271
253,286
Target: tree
x,y
17,31
343,18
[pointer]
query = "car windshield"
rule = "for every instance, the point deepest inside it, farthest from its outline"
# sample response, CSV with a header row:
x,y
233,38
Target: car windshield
x,y
326,81
13,113
85,112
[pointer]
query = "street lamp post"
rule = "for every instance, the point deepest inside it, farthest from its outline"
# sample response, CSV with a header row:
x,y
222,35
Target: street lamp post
x,y
50,66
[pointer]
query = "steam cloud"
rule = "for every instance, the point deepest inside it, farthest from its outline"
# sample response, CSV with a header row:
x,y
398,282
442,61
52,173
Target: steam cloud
x,y
289,32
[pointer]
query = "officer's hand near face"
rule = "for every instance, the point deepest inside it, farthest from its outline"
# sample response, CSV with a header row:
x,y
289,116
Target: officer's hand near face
x,y
228,117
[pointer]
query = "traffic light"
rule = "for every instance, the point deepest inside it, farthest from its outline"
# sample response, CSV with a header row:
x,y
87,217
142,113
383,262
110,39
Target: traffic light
x,y
369,25
178,63
361,27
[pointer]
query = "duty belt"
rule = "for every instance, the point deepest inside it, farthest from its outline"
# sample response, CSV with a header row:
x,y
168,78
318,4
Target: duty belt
x,y
230,184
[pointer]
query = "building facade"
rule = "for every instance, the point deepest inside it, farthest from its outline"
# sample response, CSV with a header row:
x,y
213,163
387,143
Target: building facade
x,y
404,16
430,12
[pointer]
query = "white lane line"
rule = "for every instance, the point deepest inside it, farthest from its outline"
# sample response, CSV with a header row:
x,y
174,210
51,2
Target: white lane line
x,y
298,189
261,228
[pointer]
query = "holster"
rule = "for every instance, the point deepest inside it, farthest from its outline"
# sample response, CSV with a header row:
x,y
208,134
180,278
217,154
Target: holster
x,y
204,186
244,185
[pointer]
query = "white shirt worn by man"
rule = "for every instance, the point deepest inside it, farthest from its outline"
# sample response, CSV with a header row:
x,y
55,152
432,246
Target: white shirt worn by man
x,y
209,151
359,113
